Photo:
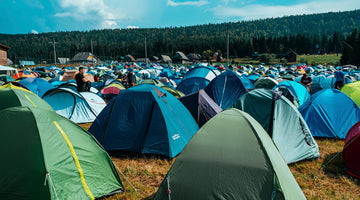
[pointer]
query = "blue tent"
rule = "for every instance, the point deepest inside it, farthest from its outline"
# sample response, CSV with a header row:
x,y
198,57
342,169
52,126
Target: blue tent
x,y
329,82
168,73
80,107
37,85
253,77
145,119
330,113
201,106
226,88
295,88
197,78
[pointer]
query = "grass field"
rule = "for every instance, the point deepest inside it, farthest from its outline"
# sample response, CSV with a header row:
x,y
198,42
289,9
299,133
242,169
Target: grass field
x,y
328,59
317,178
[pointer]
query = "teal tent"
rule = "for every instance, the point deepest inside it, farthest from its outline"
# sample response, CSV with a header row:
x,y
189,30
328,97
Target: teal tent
x,y
283,122
230,157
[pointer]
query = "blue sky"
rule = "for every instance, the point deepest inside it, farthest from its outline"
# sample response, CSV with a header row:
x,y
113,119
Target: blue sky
x,y
36,16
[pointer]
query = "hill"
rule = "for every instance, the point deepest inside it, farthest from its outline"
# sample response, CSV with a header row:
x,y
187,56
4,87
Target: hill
x,y
301,33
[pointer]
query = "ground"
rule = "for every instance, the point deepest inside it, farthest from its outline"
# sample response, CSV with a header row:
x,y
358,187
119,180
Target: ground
x,y
323,178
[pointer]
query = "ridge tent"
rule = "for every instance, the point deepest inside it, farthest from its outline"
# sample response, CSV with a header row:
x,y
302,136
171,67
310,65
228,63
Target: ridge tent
x,y
226,88
283,122
330,113
351,151
297,89
201,106
353,91
230,157
265,82
196,79
80,107
145,119
13,96
37,85
55,150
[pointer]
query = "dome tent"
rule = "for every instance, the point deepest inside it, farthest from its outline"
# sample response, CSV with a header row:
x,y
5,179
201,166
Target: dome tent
x,y
230,157
144,119
37,85
351,151
13,96
283,122
80,107
330,113
55,150
226,88
295,88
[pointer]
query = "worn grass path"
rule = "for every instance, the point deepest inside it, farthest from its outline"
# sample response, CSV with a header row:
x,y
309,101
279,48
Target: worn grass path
x,y
329,182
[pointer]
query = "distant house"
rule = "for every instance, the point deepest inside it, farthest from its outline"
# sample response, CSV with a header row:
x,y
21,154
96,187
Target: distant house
x,y
84,57
165,59
129,58
290,56
180,57
194,56
3,54
63,60
26,62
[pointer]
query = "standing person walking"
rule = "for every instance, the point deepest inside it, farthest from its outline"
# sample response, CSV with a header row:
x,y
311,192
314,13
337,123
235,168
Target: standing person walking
x,y
340,79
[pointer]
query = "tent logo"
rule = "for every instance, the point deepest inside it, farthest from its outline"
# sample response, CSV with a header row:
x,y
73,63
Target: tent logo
x,y
176,136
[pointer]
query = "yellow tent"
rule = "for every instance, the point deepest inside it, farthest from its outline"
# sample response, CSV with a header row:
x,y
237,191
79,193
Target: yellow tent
x,y
353,91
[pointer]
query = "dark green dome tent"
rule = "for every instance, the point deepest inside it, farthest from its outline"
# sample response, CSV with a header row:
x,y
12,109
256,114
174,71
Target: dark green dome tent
x,y
230,157
50,157
14,96
283,122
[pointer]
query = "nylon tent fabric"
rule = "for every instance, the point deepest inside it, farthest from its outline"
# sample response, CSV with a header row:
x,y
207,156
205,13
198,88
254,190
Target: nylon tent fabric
x,y
353,91
283,122
174,92
253,77
153,82
196,79
37,85
226,88
265,82
230,157
144,119
351,151
297,89
63,161
330,113
201,106
80,107
329,82
6,78
16,96
73,86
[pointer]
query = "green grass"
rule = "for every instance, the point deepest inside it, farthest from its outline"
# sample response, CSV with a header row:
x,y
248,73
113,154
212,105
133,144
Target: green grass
x,y
329,59
315,179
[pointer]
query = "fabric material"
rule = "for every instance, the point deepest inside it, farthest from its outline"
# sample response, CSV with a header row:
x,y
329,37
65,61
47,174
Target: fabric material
x,y
351,151
37,85
352,90
145,119
301,93
214,161
330,113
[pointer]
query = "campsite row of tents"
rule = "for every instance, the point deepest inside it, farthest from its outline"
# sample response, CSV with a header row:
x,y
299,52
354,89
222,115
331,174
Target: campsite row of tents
x,y
227,128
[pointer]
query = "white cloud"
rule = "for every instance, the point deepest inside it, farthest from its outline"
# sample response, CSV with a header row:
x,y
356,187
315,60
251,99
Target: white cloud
x,y
187,3
132,27
257,11
34,32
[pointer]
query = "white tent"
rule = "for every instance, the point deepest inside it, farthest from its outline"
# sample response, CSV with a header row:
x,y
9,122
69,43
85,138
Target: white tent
x,y
8,70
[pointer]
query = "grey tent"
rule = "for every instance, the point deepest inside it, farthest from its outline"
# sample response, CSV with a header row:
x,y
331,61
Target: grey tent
x,y
230,157
283,122
201,106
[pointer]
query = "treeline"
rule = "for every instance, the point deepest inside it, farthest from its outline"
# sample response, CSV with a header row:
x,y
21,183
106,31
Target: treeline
x,y
351,49
305,34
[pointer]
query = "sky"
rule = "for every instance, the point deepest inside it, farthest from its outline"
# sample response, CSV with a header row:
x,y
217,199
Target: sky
x,y
38,16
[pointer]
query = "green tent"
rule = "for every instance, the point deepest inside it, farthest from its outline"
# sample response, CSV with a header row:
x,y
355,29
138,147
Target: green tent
x,y
283,122
50,157
353,91
13,96
265,82
230,157
152,82
174,92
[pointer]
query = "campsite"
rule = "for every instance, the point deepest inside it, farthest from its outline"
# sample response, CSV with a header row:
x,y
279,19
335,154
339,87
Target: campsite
x,y
180,99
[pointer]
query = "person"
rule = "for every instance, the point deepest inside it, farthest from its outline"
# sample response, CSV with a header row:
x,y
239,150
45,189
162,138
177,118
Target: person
x,y
131,79
306,82
83,84
340,79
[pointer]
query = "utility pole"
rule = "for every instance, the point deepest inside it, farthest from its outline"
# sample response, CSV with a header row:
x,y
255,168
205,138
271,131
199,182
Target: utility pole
x,y
53,42
145,51
92,52
227,45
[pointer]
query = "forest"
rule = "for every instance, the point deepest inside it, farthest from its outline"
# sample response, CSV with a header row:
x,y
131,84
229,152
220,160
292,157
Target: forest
x,y
332,32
